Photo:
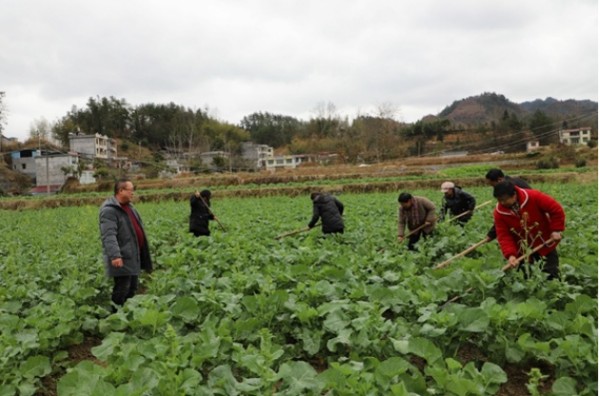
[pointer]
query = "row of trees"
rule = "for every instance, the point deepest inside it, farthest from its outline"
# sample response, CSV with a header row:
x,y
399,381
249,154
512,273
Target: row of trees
x,y
368,137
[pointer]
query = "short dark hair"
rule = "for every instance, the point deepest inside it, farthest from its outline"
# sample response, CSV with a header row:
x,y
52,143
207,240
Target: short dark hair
x,y
119,184
404,197
205,194
494,174
314,195
504,189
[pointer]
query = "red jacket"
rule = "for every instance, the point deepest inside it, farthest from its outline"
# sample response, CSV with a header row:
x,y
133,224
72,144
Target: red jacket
x,y
539,216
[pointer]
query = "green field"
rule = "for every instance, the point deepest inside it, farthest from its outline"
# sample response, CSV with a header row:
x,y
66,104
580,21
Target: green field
x,y
243,313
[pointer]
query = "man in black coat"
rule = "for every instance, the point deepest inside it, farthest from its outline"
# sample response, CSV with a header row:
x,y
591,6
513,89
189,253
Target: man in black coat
x,y
330,210
201,214
457,202
495,176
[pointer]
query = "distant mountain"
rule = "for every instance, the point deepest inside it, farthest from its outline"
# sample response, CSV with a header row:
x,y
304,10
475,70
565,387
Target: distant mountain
x,y
488,107
553,107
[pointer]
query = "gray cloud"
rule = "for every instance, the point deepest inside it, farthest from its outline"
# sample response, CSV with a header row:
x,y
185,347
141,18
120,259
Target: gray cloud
x,y
237,57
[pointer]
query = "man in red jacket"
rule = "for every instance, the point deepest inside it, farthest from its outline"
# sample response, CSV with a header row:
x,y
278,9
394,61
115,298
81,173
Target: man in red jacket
x,y
526,219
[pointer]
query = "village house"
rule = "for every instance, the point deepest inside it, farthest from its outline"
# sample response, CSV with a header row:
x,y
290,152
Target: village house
x,y
575,136
256,154
93,146
52,170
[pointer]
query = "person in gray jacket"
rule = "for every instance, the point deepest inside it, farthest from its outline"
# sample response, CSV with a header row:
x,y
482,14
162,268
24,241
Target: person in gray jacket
x,y
330,210
124,243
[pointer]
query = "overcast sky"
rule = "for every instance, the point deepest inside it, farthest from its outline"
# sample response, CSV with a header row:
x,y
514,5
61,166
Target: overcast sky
x,y
237,57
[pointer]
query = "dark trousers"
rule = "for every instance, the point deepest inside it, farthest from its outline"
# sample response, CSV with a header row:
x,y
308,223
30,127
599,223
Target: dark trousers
x,y
124,288
549,264
414,238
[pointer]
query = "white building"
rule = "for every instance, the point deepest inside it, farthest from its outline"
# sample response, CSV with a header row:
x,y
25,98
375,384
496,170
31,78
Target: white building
x,y
282,162
575,136
93,146
533,145
256,153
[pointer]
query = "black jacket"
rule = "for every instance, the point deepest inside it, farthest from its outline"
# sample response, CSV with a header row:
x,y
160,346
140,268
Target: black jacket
x,y
458,204
330,211
200,216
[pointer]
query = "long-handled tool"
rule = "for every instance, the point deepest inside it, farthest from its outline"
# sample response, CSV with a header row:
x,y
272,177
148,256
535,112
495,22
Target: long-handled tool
x,y
290,233
211,212
419,228
545,243
505,268
469,211
461,254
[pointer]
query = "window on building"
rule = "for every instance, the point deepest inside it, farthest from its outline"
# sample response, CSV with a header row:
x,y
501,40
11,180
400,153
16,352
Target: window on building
x,y
23,166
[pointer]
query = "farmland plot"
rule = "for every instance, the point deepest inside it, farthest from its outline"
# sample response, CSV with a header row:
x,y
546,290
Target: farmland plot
x,y
243,313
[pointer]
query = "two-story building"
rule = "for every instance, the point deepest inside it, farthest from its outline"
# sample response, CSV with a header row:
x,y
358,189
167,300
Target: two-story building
x,y
93,146
575,136
256,154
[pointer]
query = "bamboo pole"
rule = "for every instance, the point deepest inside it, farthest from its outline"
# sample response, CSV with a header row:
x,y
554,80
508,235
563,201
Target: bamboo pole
x,y
292,233
461,254
470,211
419,228
505,268
545,243
211,212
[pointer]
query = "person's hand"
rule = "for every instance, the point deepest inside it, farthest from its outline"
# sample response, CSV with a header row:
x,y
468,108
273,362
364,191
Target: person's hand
x,y
556,236
513,261
400,238
117,263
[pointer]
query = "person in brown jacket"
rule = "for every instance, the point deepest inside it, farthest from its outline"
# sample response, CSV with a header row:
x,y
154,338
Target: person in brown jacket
x,y
418,213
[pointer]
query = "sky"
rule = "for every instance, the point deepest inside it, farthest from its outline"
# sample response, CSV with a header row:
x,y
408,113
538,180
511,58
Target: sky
x,y
288,57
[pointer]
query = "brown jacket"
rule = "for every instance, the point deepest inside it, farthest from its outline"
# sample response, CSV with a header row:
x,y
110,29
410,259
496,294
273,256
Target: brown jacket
x,y
424,211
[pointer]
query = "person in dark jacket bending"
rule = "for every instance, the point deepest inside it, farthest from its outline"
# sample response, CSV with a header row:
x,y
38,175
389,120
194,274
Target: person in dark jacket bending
x,y
458,202
330,210
495,176
201,214
124,244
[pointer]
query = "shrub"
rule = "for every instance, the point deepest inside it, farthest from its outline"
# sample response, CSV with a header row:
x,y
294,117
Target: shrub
x,y
580,162
548,163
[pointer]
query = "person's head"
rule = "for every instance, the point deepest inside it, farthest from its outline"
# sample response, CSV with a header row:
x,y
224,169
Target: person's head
x,y
505,193
314,195
206,194
405,200
494,176
448,189
124,190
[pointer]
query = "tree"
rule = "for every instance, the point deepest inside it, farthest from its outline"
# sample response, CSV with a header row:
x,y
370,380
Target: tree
x,y
40,129
272,129
543,128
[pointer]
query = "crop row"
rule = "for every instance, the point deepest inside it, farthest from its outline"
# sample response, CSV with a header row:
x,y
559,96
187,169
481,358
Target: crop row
x,y
243,313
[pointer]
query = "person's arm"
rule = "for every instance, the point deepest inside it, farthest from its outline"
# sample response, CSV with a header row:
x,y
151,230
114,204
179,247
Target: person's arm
x,y
443,210
401,224
491,235
315,217
506,239
108,234
556,214
470,200
430,216
339,205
